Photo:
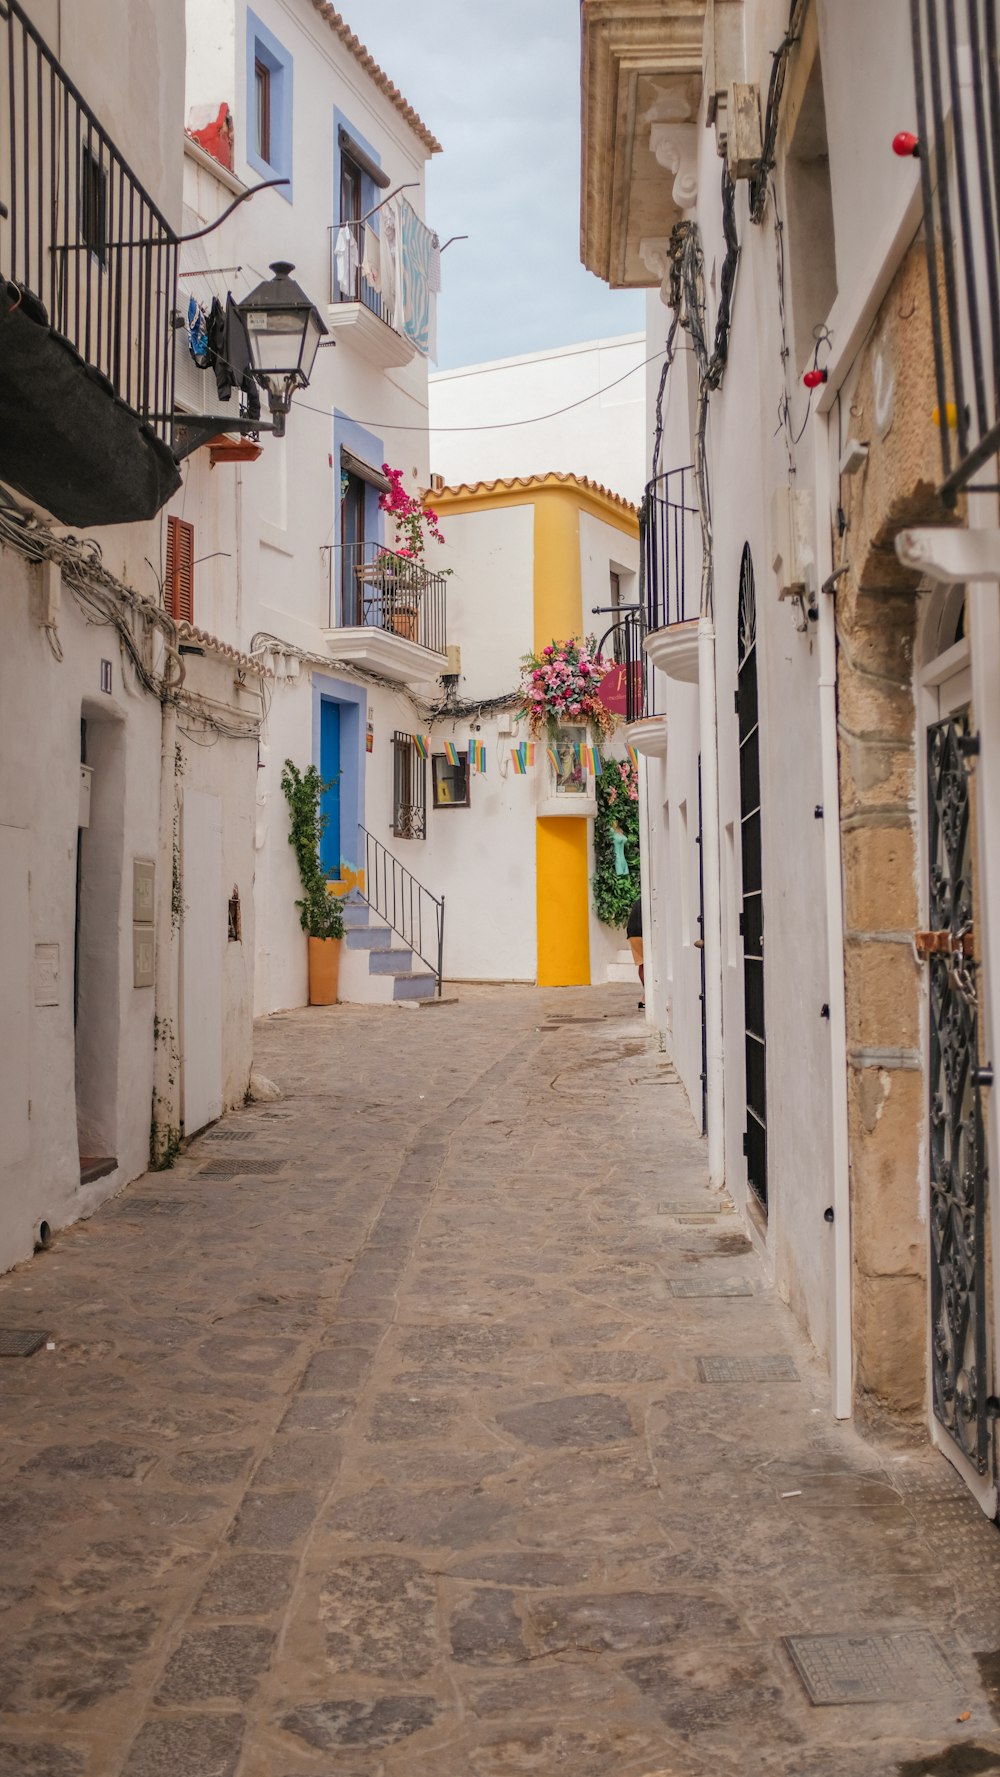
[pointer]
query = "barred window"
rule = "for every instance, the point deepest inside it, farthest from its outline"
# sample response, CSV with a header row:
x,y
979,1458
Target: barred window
x,y
409,789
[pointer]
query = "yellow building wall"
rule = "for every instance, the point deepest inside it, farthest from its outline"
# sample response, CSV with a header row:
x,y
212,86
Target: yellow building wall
x,y
562,903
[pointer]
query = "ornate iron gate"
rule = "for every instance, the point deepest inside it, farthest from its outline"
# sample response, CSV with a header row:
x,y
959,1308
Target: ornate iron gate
x,y
752,916
957,1146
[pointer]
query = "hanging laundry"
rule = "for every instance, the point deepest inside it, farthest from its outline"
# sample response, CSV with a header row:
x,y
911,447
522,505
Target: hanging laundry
x,y
434,265
345,260
389,267
416,297
197,332
371,260
231,357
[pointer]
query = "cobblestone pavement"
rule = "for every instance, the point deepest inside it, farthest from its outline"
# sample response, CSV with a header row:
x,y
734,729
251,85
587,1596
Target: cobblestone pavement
x,y
382,1436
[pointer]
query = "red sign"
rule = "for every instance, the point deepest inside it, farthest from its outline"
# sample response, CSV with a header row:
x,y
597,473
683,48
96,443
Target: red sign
x,y
613,688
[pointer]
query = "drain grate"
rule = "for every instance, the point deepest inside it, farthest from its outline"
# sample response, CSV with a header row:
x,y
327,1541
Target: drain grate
x,y
237,1166
229,1135
689,1209
20,1342
747,1369
693,1286
870,1668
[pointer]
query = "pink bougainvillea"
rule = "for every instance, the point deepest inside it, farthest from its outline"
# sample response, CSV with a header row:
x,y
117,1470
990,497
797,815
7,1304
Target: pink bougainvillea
x,y
414,521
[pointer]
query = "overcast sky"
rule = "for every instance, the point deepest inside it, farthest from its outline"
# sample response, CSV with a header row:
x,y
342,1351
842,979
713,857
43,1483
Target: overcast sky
x,y
500,88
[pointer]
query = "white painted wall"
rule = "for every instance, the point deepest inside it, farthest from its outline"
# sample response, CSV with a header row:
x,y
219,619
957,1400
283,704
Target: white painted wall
x,y
601,438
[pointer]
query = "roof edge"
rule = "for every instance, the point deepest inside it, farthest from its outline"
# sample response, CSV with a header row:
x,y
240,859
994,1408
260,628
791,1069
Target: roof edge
x,y
537,483
364,57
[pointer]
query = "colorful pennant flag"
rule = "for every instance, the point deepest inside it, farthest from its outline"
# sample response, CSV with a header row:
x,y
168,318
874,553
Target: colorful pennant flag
x,y
472,755
420,742
481,756
517,761
633,755
528,749
451,752
593,761
554,760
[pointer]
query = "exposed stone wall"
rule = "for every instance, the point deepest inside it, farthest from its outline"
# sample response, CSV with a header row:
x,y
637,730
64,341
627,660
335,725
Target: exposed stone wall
x,y
880,755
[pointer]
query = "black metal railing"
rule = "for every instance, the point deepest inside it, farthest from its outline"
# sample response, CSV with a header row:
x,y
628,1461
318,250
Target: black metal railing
x,y
373,587
347,281
955,52
394,893
640,677
78,230
670,545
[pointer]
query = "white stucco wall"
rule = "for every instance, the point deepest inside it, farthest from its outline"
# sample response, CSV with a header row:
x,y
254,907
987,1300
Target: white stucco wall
x,y
601,438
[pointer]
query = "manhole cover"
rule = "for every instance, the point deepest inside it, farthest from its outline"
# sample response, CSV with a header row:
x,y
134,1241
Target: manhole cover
x,y
235,1168
870,1668
689,1209
747,1369
229,1135
693,1286
19,1342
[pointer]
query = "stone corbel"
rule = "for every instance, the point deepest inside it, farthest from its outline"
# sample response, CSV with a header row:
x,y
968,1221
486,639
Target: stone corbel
x,y
675,146
951,557
653,253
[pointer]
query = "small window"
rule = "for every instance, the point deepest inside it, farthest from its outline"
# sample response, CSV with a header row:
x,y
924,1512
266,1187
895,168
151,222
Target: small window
x,y
450,782
811,254
178,580
409,789
94,205
615,601
262,118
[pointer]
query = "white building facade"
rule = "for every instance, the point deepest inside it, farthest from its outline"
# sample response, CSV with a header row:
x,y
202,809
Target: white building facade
x,y
828,656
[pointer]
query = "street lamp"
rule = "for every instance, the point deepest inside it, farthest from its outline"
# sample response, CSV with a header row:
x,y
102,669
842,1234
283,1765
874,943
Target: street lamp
x,y
284,329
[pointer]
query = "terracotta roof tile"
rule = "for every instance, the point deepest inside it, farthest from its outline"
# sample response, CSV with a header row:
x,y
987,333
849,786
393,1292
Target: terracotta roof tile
x,y
529,481
336,22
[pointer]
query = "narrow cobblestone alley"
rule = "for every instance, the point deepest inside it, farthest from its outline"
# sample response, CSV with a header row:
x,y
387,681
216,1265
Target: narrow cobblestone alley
x,y
436,1420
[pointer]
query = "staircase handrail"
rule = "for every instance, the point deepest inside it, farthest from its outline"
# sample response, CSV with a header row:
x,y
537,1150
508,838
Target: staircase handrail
x,y
397,896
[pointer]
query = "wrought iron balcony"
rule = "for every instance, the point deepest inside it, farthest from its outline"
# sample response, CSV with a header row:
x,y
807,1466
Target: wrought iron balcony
x,y
88,268
387,610
956,50
670,542
367,318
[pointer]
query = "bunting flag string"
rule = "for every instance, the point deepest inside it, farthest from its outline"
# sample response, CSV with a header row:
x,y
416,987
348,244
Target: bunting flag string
x,y
420,742
633,755
593,761
477,755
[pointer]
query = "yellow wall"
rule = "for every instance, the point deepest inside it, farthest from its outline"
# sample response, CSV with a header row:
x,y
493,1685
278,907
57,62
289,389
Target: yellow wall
x,y
563,905
558,596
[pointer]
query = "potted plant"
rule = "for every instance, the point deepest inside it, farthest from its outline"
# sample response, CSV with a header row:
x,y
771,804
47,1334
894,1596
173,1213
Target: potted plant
x,y
414,523
319,911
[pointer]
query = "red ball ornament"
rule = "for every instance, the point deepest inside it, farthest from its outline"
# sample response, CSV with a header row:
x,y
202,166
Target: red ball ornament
x,y
813,378
906,145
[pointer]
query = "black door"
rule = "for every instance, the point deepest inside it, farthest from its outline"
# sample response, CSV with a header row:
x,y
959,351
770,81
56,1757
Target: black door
x,y
752,916
957,1149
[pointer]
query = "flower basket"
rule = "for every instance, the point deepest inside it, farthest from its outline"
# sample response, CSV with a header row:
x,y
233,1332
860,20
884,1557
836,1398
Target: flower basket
x,y
560,686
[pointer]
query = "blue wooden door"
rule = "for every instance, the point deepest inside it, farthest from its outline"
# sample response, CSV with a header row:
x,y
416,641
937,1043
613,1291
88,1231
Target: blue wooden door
x,y
329,770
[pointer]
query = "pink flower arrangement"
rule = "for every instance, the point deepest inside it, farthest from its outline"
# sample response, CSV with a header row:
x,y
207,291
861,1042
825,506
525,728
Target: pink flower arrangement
x,y
414,521
561,684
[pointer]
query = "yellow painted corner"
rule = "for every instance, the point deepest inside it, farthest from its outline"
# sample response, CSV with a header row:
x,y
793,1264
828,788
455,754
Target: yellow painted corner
x,y
562,901
558,596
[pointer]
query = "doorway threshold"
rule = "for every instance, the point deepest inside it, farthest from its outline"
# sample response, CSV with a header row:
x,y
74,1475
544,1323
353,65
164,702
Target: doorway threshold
x,y
94,1166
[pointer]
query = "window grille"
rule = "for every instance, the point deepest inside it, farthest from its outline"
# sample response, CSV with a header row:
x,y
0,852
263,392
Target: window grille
x,y
178,586
409,789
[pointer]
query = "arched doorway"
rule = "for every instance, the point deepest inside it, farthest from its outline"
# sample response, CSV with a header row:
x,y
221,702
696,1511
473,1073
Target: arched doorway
x,y
752,915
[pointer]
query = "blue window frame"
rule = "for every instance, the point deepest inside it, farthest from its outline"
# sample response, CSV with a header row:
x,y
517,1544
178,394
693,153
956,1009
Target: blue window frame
x,y
269,105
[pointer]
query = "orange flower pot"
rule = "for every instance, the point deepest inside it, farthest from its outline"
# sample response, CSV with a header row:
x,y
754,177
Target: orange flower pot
x,y
324,970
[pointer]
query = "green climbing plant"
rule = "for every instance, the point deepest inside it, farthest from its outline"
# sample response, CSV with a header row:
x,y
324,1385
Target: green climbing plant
x,y
617,809
319,911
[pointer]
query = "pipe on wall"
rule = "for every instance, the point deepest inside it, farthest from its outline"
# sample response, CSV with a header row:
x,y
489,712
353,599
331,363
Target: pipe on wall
x,y
712,875
842,1349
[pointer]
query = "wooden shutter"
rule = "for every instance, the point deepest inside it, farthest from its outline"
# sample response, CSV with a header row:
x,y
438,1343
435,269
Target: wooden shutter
x,y
178,590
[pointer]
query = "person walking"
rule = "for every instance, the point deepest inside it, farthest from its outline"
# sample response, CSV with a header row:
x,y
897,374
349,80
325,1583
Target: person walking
x,y
633,932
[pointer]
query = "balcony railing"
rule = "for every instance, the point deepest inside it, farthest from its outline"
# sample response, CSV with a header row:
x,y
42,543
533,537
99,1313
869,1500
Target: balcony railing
x,y
670,542
640,678
956,46
357,288
78,230
372,587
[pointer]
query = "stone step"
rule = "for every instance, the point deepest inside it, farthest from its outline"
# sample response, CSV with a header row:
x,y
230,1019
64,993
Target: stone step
x,y
390,962
368,938
414,986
